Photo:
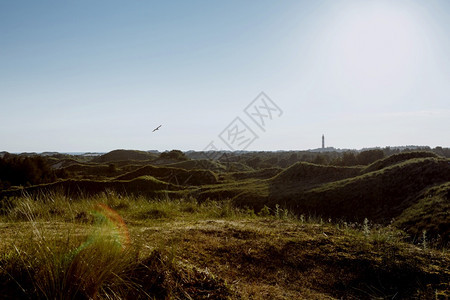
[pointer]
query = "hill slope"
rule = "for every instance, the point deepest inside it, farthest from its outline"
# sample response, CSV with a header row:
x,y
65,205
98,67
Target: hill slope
x,y
430,212
120,155
309,174
396,159
141,186
411,188
379,195
173,175
198,164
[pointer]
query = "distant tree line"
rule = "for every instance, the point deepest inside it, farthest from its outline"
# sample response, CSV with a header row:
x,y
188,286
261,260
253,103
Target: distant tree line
x,y
174,155
18,170
283,159
361,158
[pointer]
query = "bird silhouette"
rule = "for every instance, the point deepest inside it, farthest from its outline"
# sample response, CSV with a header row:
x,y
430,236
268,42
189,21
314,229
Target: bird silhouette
x,y
157,128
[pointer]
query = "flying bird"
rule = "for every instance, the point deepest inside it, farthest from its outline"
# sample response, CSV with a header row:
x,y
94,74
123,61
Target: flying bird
x,y
157,128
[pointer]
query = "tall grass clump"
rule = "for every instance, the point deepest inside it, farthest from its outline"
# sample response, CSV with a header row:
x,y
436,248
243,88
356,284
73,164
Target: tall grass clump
x,y
424,239
85,264
221,209
65,272
366,227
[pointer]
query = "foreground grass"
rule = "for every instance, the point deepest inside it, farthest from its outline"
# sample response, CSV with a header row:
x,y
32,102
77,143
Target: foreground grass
x,y
114,247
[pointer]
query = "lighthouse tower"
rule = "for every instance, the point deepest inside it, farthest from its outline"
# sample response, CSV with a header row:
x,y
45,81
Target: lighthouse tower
x,y
323,141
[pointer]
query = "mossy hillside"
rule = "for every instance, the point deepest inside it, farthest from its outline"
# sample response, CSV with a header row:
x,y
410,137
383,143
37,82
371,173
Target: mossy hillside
x,y
199,164
308,173
428,216
255,174
176,176
122,155
396,159
380,195
144,185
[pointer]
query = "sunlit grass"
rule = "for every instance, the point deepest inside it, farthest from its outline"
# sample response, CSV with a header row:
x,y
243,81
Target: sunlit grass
x,y
80,248
101,247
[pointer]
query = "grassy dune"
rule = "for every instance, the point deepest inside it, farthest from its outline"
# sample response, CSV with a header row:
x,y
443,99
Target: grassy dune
x,y
389,189
396,159
256,174
429,215
199,229
114,247
176,176
144,185
200,164
303,172
122,155
379,195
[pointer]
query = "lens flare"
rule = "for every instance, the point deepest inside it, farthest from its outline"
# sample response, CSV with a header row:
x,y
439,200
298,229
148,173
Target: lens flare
x,y
116,223
109,226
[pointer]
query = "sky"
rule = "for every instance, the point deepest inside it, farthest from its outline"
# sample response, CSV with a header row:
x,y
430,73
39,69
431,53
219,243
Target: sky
x,y
101,75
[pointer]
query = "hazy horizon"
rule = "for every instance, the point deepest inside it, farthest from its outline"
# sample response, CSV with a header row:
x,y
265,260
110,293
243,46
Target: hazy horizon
x,y
412,147
99,76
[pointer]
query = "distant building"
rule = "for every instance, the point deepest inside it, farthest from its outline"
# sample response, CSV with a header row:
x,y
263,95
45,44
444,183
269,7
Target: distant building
x,y
323,141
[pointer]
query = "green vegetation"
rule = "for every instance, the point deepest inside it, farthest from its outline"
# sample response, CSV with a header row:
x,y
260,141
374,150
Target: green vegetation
x,y
112,246
121,155
283,225
19,170
302,172
258,174
199,164
174,155
83,250
430,214
176,176
396,159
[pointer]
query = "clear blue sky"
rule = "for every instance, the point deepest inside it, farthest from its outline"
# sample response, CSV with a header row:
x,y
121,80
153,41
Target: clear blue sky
x,y
100,75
